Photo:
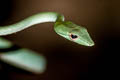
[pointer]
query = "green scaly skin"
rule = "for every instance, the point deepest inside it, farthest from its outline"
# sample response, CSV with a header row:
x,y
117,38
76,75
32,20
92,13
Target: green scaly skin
x,y
63,28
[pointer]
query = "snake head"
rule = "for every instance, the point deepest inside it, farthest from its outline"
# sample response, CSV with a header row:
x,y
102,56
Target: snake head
x,y
73,33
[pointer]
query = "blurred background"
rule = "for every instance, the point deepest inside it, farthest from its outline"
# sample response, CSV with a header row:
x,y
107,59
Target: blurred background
x,y
66,60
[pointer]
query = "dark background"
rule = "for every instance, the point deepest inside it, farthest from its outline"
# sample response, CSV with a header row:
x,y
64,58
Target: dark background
x,y
66,60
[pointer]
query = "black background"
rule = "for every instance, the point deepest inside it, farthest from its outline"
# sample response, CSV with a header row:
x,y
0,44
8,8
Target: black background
x,y
66,60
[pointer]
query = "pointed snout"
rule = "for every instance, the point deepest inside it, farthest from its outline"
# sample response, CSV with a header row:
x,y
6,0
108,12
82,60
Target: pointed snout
x,y
86,43
90,44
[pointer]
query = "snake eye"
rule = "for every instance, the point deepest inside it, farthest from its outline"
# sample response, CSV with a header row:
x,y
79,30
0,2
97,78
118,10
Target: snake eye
x,y
73,36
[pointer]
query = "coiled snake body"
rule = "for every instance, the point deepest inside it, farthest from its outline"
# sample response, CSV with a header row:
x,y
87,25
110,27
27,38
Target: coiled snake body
x,y
29,60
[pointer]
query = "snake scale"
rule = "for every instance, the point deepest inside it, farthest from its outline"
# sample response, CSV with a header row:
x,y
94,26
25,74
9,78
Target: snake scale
x,y
29,60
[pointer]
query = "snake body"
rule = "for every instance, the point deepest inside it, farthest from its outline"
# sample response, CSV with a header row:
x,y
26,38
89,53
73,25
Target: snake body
x,y
66,29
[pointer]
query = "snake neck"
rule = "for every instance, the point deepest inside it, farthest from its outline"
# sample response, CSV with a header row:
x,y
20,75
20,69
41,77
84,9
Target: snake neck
x,y
32,20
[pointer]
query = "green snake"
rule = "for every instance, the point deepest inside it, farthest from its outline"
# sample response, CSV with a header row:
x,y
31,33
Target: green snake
x,y
22,57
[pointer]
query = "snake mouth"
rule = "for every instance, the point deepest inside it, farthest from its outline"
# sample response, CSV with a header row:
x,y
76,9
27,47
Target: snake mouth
x,y
90,44
85,42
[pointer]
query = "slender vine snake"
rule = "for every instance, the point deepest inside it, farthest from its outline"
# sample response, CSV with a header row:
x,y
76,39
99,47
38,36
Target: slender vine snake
x,y
29,60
